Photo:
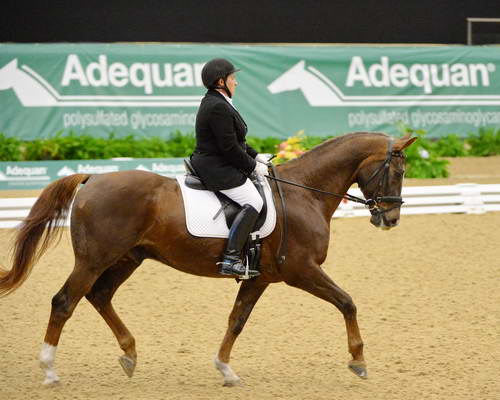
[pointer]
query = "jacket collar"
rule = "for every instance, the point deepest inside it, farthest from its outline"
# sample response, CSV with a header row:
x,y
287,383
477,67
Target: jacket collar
x,y
213,92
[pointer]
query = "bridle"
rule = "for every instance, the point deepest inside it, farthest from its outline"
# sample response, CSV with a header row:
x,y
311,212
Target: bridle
x,y
373,204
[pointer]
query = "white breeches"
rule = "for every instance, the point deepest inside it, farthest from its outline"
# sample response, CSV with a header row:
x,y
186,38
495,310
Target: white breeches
x,y
245,194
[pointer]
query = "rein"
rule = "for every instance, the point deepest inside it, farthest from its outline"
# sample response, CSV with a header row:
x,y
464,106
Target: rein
x,y
347,196
372,204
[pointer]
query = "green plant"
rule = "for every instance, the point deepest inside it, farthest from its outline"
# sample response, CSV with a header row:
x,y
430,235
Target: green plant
x,y
450,146
264,145
85,147
180,145
485,143
421,158
419,165
10,148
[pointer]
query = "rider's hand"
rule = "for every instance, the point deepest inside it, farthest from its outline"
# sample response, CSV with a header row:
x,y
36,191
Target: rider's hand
x,y
262,159
260,169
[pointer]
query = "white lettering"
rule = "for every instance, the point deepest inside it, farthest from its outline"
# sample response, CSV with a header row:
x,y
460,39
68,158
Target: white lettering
x,y
167,80
425,76
96,169
118,74
25,171
160,167
379,73
183,75
101,68
459,75
419,76
74,71
445,72
142,75
357,72
145,73
399,75
483,70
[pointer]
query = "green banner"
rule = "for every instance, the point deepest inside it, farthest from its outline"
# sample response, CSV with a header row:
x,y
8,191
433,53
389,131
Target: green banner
x,y
155,89
38,174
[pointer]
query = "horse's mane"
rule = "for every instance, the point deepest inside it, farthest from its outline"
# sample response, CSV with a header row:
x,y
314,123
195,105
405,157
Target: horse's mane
x,y
333,142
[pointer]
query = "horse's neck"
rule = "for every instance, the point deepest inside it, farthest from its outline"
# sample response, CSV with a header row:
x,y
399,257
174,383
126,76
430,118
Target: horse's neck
x,y
330,168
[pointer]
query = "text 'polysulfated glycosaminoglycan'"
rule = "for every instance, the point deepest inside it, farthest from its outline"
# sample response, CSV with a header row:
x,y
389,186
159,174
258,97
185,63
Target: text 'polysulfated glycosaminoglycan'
x,y
425,76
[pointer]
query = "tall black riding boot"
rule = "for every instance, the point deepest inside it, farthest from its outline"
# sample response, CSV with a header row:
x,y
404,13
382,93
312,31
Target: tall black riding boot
x,y
242,226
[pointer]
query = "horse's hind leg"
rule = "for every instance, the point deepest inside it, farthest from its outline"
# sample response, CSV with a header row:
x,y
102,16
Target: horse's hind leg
x,y
250,291
64,302
100,297
318,283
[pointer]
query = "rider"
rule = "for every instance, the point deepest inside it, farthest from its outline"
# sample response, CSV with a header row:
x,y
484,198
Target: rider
x,y
223,160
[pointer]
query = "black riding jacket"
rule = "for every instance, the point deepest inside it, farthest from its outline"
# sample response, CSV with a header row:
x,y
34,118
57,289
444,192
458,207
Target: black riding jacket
x,y
222,158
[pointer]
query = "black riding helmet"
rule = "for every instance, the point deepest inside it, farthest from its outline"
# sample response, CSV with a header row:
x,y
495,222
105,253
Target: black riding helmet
x,y
218,68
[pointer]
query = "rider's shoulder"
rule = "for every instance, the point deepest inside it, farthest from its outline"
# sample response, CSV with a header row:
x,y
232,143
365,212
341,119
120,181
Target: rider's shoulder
x,y
219,105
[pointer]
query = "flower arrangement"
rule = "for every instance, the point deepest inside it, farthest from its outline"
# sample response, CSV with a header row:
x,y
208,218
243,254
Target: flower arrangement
x,y
291,148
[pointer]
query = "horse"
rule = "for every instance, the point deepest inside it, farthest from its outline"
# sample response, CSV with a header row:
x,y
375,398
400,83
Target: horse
x,y
118,219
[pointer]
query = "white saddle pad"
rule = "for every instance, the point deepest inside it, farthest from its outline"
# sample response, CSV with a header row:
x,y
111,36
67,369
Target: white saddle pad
x,y
202,205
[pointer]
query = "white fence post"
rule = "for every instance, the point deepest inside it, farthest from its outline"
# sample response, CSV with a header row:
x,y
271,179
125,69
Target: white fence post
x,y
473,201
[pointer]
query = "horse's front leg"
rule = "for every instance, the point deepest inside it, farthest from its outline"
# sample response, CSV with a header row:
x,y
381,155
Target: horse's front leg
x,y
312,279
250,291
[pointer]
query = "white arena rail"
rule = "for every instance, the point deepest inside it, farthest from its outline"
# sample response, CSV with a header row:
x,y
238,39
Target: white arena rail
x,y
468,198
464,198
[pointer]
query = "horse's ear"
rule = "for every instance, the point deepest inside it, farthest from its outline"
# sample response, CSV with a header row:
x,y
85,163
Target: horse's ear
x,y
404,142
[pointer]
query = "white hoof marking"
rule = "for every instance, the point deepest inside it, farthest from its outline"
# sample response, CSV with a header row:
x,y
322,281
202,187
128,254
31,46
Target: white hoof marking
x,y
51,379
47,358
230,378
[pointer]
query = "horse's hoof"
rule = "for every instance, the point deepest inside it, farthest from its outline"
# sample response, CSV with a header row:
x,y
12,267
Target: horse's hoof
x,y
230,378
232,382
128,365
52,381
358,368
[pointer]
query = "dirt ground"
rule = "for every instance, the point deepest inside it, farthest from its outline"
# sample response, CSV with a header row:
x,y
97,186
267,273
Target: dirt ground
x,y
428,304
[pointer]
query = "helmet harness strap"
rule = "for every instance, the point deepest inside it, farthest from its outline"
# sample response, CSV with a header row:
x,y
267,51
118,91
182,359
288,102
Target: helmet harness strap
x,y
225,88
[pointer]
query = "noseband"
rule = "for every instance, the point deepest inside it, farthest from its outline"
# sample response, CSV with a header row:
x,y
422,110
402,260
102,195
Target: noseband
x,y
374,204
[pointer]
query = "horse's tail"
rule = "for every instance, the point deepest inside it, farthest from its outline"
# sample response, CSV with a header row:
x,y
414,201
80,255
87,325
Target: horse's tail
x,y
47,215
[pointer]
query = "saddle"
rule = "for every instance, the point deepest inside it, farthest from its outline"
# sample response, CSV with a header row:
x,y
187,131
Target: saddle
x,y
228,206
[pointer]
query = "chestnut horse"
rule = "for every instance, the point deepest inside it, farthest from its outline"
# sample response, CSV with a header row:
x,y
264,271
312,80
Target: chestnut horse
x,y
119,219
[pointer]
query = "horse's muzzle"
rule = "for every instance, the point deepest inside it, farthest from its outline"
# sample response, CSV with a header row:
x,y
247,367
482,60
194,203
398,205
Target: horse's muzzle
x,y
384,222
